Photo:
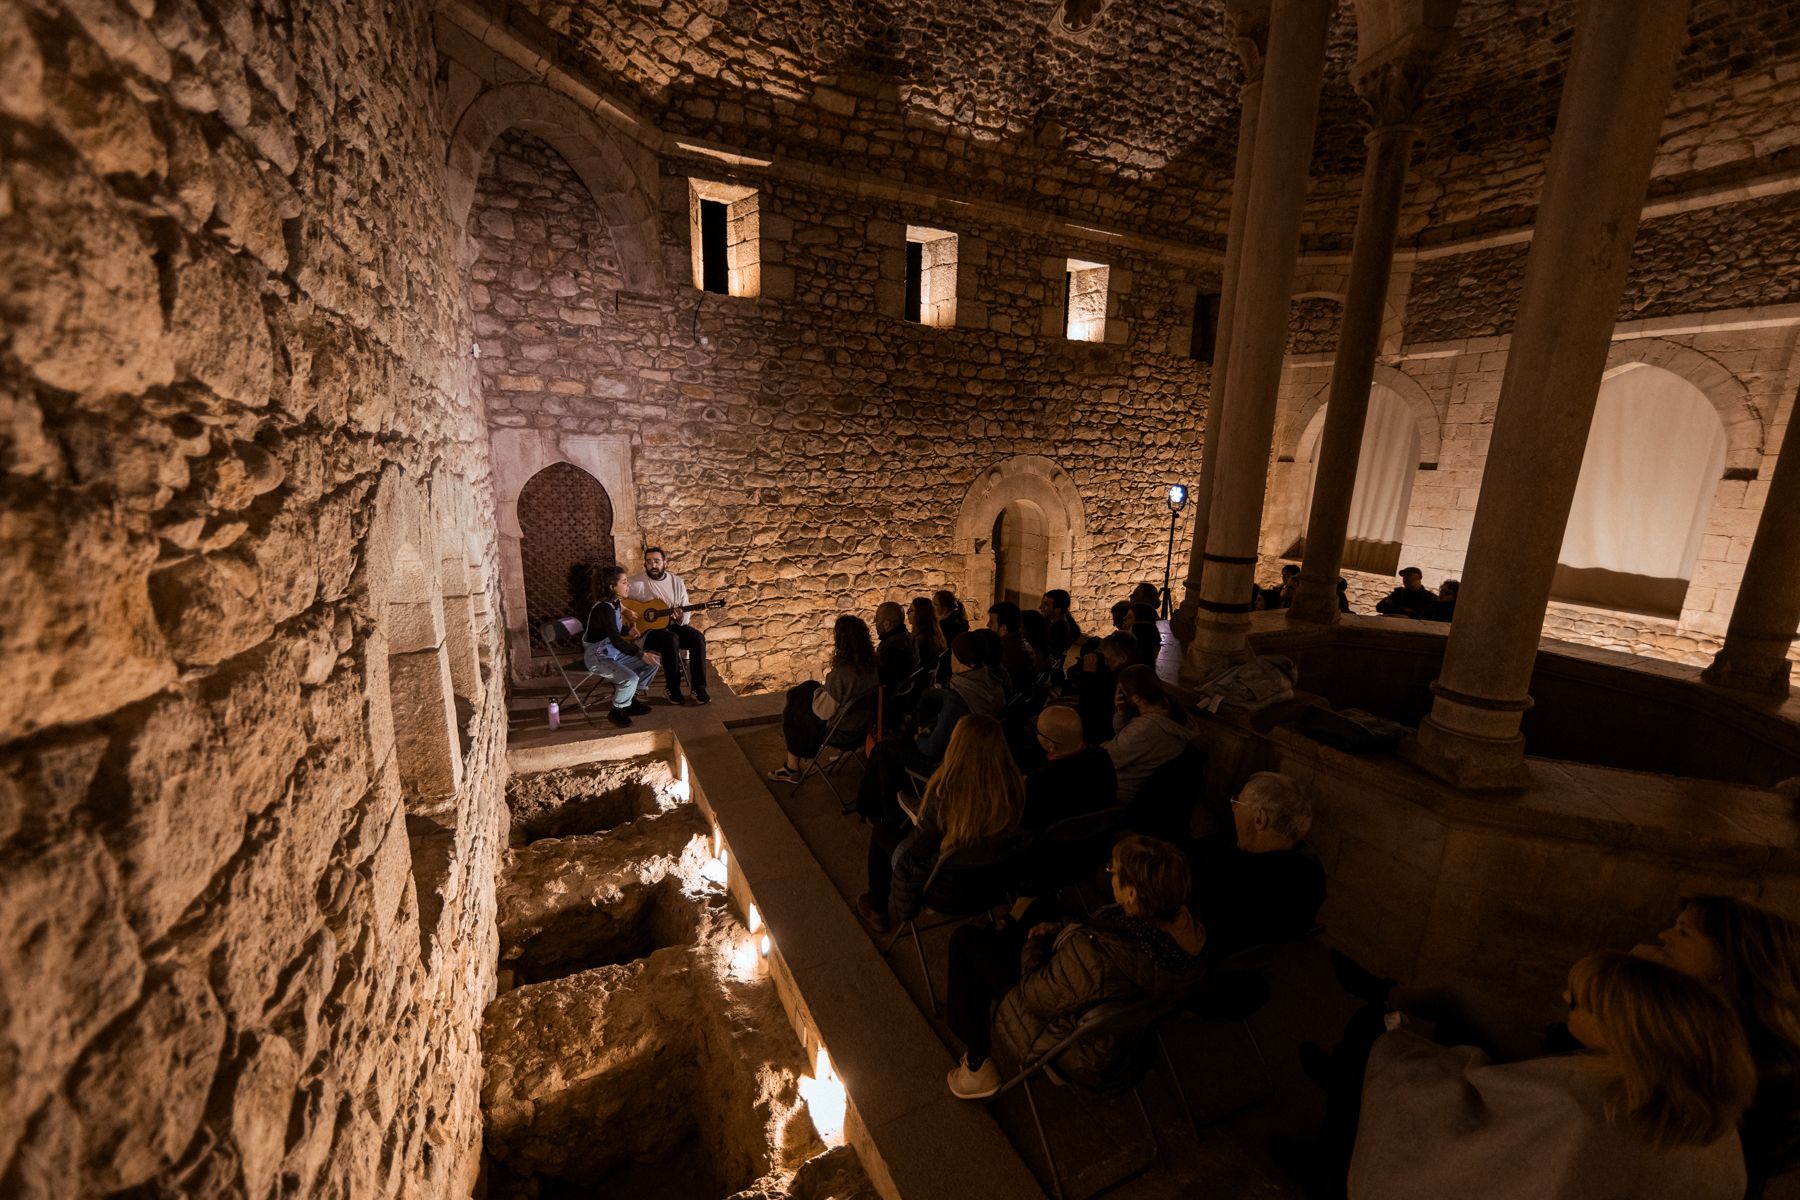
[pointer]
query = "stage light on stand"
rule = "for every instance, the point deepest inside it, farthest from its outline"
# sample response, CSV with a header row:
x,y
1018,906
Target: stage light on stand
x,y
1176,497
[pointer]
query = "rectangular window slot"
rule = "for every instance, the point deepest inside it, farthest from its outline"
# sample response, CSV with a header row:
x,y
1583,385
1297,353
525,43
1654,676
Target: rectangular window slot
x,y
930,276
715,271
1206,328
725,233
1084,301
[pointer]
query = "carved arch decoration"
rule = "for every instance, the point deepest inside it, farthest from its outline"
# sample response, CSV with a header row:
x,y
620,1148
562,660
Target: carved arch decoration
x,y
621,178
1024,479
1725,391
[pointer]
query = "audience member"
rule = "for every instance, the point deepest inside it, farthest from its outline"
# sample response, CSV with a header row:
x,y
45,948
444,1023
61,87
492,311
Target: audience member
x,y
1076,778
1444,607
1096,685
1258,886
974,796
1343,594
1646,1113
897,661
1065,632
1290,583
1016,658
1146,593
1144,946
851,678
973,689
1148,634
1752,957
929,645
953,621
1036,631
609,650
1410,599
1150,730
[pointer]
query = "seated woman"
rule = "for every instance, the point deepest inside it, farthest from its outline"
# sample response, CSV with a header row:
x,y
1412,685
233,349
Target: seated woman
x,y
976,795
1145,945
953,621
1752,957
929,642
850,677
896,660
1648,1112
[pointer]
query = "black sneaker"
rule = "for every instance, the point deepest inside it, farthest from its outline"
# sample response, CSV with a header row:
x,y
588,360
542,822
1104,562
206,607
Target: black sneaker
x,y
638,709
700,696
619,716
677,699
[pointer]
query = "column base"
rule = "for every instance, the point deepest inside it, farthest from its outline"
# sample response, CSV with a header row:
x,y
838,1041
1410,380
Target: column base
x,y
1218,646
1760,679
1303,613
1185,619
1468,762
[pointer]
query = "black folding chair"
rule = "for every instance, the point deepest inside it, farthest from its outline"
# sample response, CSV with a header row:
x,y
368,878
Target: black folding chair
x,y
844,733
560,637
965,882
1139,1023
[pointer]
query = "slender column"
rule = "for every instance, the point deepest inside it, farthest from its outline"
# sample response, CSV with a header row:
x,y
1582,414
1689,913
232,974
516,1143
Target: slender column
x,y
1284,138
1253,28
1392,93
1754,656
1607,126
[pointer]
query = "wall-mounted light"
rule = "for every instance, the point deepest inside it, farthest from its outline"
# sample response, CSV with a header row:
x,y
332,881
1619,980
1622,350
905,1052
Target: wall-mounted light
x,y
826,1103
753,919
765,945
715,869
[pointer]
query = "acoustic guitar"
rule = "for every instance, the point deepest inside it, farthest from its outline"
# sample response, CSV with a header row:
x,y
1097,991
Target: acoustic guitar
x,y
647,615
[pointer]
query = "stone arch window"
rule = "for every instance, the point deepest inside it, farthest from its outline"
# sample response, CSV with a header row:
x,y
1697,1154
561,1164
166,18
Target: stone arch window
x,y
1001,494
1021,548
1655,453
565,528
1385,468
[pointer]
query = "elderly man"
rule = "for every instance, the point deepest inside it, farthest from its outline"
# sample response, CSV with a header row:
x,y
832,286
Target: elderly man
x,y
1076,778
1259,886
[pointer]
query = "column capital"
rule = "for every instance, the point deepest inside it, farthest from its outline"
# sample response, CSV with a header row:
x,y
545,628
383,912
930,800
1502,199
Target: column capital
x,y
1250,25
1393,87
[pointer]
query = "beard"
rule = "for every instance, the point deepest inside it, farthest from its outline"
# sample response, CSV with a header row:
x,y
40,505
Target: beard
x,y
657,574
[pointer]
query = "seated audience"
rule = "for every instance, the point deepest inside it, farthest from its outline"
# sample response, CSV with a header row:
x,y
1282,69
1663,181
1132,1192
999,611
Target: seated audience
x,y
953,622
1139,621
897,661
1150,730
1096,684
928,638
1065,633
1046,974
974,796
1647,1112
851,677
609,650
1256,885
1444,607
1290,583
1146,593
1343,594
1752,957
1036,632
973,689
1076,778
1410,599
1016,658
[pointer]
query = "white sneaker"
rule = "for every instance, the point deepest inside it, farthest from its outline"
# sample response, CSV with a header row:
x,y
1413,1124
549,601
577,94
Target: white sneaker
x,y
978,1084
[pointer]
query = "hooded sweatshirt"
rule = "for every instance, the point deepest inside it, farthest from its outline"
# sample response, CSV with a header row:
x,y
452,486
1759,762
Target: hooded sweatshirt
x,y
978,691
1141,745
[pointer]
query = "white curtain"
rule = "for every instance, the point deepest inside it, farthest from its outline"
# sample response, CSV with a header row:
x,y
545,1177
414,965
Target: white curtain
x,y
1653,459
1384,471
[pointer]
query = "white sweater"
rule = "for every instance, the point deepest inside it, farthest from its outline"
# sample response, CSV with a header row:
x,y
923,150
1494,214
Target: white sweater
x,y
668,591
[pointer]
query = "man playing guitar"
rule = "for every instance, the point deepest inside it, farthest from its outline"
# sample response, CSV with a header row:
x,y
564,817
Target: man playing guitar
x,y
658,585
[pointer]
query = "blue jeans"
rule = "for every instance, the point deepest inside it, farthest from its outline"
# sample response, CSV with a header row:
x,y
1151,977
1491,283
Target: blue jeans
x,y
626,672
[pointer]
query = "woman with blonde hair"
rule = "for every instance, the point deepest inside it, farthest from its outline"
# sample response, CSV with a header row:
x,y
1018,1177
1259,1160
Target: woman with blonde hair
x,y
1648,1112
976,795
1752,957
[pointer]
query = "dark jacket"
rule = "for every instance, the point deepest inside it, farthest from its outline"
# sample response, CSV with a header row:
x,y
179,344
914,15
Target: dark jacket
x,y
978,691
952,627
1771,1127
1109,957
1094,688
1020,663
1247,899
603,625
1064,632
897,657
1067,787
1407,602
1149,641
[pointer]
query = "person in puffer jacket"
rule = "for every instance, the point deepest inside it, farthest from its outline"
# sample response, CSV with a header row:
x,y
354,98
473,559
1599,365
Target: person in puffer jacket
x,y
1145,946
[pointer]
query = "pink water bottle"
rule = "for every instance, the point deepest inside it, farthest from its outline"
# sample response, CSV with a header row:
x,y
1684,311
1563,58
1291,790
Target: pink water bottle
x,y
555,716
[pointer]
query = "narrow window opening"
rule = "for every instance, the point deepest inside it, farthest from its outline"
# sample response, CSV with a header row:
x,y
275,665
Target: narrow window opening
x,y
1084,301
1205,342
931,266
715,270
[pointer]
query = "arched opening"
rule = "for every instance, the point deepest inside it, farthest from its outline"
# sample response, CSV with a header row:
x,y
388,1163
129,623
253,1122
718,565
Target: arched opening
x,y
1654,456
1021,545
565,528
1386,463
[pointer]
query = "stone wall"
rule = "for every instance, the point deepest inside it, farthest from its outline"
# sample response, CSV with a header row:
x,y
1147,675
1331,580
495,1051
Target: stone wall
x,y
801,452
249,778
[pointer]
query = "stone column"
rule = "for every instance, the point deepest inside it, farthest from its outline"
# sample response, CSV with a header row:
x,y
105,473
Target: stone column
x,y
1754,656
1607,126
1271,241
1252,34
1392,92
